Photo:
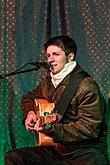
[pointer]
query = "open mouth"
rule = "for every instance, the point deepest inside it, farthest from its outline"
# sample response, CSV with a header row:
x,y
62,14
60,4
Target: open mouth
x,y
53,66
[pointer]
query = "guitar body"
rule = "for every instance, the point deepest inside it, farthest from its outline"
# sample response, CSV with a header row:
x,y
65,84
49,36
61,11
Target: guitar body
x,y
42,106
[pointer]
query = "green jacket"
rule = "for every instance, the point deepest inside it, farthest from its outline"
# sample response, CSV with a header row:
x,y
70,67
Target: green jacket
x,y
83,124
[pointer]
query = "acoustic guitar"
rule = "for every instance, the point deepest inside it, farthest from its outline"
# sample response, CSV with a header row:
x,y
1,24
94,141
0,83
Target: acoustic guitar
x,y
45,117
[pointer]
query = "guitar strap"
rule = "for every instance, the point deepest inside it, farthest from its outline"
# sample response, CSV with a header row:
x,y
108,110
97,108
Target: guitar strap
x,y
67,95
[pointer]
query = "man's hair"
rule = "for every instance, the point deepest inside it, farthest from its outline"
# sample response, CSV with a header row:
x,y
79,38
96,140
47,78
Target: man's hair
x,y
63,41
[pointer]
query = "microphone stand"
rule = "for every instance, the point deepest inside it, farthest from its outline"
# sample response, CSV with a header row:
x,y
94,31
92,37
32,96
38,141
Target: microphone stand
x,y
2,76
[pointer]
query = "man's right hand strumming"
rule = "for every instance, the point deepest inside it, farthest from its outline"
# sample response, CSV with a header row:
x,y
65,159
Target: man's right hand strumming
x,y
30,121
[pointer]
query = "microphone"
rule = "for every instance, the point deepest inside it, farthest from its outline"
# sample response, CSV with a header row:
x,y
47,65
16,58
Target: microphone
x,y
40,64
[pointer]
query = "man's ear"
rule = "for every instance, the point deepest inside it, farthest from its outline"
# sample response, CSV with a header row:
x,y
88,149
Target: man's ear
x,y
71,57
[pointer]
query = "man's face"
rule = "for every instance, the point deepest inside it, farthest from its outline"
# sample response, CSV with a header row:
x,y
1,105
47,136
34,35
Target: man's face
x,y
56,57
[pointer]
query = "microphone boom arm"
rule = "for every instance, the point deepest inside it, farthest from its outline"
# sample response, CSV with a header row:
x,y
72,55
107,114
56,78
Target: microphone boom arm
x,y
2,76
19,71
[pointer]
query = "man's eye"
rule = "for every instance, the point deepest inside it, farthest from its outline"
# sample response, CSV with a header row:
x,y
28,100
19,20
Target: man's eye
x,y
56,54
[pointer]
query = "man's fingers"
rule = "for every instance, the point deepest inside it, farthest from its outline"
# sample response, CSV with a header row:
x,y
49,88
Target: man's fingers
x,y
30,121
30,126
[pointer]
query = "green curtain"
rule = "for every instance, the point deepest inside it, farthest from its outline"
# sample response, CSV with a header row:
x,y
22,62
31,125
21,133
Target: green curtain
x,y
24,26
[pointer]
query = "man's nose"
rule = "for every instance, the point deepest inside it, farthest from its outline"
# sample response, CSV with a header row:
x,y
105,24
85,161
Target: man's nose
x,y
51,59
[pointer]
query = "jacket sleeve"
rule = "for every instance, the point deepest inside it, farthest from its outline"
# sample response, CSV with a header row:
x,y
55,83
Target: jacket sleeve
x,y
27,101
86,124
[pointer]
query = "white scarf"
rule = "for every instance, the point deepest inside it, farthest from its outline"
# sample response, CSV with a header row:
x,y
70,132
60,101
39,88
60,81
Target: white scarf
x,y
57,78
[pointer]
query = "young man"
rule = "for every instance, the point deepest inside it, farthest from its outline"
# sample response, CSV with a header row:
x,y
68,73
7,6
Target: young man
x,y
79,134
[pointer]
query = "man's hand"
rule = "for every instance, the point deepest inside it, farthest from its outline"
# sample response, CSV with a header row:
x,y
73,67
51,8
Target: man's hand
x,y
30,121
40,125
37,126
